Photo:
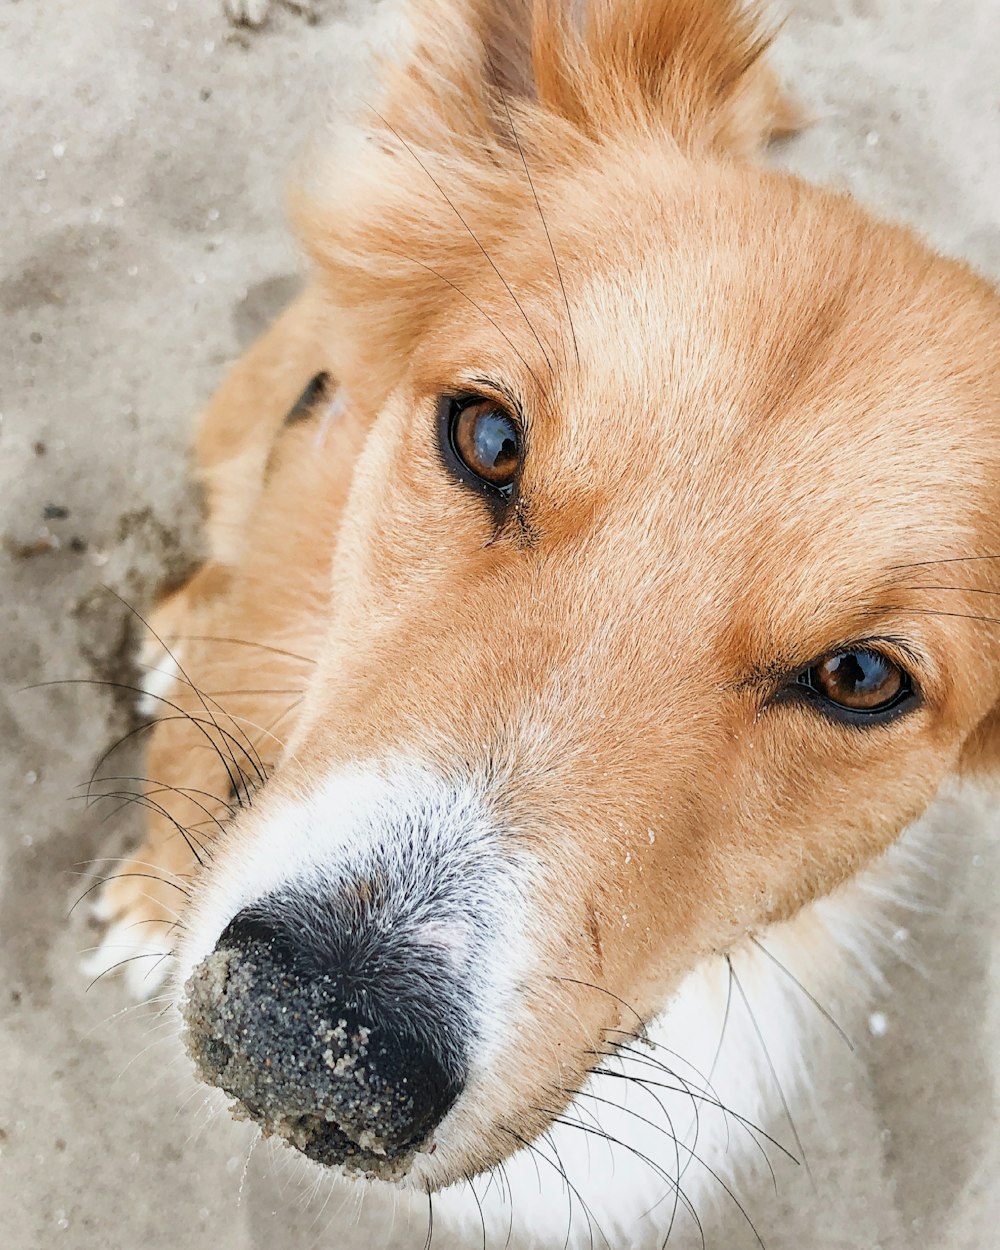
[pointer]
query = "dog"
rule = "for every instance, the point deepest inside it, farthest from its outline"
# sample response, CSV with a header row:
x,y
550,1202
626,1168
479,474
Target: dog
x,y
601,552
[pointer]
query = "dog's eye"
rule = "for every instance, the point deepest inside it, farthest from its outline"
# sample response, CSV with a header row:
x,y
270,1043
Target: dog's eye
x,y
303,407
486,440
482,443
864,682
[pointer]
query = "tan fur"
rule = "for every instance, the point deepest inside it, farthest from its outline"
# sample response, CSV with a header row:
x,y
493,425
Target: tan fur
x,y
767,413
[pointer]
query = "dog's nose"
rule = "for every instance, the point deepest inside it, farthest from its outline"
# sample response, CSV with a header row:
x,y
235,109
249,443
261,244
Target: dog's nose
x,y
343,1038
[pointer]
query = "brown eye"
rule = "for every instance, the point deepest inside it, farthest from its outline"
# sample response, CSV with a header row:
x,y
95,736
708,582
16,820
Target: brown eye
x,y
862,681
486,442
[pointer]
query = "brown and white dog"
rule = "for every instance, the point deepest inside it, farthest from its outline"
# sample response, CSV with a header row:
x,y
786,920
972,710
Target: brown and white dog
x,y
578,644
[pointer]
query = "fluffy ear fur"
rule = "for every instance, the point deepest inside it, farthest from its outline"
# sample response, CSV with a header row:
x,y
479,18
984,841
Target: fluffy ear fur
x,y
489,90
692,67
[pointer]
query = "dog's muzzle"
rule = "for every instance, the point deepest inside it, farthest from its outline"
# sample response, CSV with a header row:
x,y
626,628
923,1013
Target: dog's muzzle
x,y
331,1028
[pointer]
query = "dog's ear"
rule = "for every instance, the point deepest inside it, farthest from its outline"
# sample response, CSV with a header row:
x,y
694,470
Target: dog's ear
x,y
694,68
400,221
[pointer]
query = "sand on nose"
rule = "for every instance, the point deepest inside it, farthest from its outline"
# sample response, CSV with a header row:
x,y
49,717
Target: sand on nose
x,y
302,1072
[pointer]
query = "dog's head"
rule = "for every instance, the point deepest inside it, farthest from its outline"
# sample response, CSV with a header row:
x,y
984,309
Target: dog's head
x,y
662,603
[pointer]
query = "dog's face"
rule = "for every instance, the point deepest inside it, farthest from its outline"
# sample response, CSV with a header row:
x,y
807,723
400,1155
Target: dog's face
x,y
657,613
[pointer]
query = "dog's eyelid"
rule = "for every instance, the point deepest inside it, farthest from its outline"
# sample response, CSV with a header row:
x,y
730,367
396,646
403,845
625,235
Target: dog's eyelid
x,y
901,650
495,389
898,650
769,679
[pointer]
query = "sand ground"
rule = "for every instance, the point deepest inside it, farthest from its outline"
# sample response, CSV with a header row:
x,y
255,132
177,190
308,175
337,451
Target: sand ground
x,y
142,245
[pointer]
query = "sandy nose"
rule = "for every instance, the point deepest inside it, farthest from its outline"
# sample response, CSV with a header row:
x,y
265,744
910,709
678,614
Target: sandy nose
x,y
345,1051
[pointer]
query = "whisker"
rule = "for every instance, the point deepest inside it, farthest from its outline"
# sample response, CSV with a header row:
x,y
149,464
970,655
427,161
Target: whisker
x,y
465,295
810,997
157,1041
239,721
960,616
482,1217
250,750
602,990
534,194
966,590
244,642
258,1136
550,1141
266,730
149,876
774,1075
195,845
468,228
182,791
670,1132
561,1171
182,714
725,1021
158,955
549,1137
920,564
507,1195
752,1128
653,1061
144,798
131,1007
679,1145
123,859
685,1089
150,724
248,691
93,800
180,669
653,1166
430,1220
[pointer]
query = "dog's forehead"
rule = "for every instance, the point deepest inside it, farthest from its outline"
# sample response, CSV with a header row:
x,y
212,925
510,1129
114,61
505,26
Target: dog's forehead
x,y
739,413
739,382
729,376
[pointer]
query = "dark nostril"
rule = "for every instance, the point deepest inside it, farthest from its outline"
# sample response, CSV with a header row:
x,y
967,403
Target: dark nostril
x,y
250,927
346,1042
